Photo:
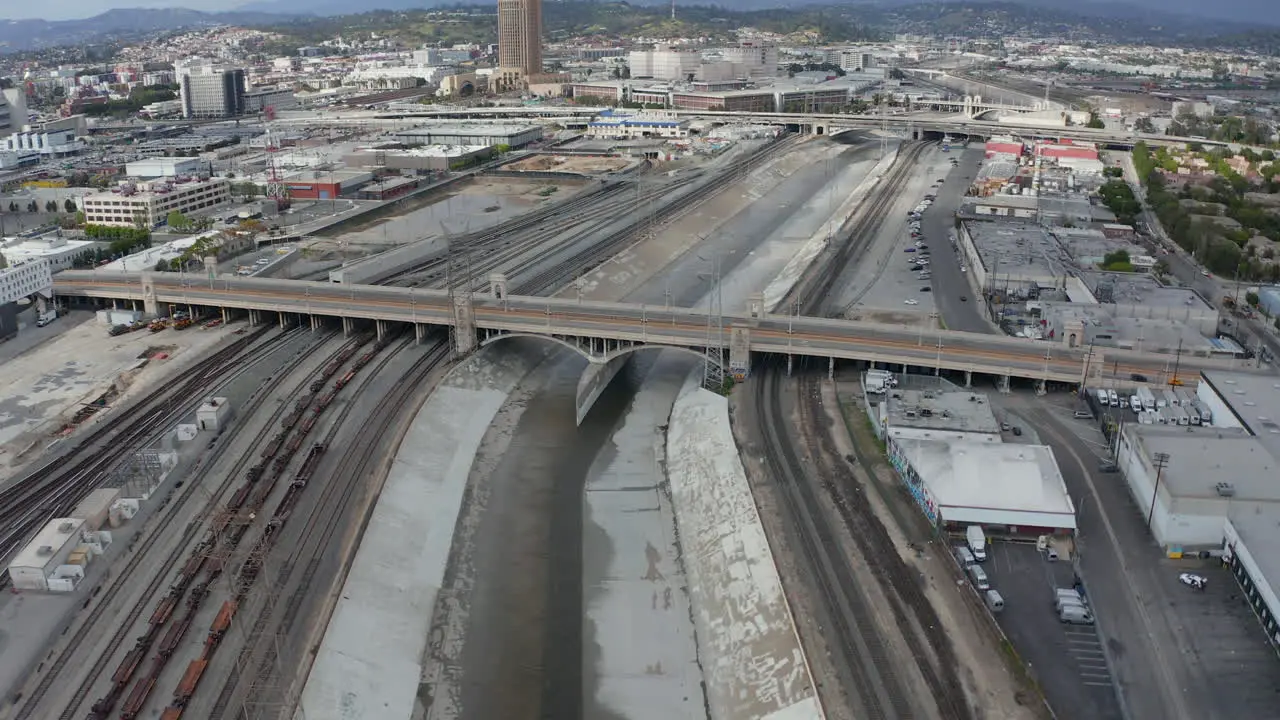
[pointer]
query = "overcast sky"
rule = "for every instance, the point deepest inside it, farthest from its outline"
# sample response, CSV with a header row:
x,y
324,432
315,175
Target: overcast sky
x,y
73,9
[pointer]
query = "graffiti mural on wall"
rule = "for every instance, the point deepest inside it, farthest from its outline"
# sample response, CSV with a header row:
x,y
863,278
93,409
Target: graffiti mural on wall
x,y
912,480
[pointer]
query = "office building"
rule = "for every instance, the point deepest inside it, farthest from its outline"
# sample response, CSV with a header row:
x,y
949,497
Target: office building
x,y
210,92
13,110
151,203
519,41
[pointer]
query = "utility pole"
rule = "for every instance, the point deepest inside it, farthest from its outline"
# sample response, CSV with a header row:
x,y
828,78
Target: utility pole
x,y
1160,460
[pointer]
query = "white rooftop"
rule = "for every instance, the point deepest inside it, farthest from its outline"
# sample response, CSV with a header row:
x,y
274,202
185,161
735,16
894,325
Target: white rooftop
x,y
51,535
992,483
147,259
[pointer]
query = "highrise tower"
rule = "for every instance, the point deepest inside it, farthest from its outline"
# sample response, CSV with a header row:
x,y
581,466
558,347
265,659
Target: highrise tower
x,y
519,40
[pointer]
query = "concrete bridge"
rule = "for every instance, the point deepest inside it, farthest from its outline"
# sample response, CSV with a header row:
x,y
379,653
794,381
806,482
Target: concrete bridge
x,y
606,333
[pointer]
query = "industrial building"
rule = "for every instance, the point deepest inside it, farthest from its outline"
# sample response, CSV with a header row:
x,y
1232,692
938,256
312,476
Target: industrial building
x,y
161,167
153,201
419,159
947,449
387,189
211,93
46,556
1250,540
13,109
464,133
1188,480
326,184
1011,254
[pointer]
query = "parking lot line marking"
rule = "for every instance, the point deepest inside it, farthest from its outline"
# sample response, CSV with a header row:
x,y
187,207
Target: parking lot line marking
x,y
1097,684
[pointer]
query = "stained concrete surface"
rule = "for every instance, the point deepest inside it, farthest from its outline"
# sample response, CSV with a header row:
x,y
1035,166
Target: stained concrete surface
x,y
748,644
638,640
370,662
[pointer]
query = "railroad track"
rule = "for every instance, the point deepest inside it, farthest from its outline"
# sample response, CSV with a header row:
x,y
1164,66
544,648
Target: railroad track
x,y
316,536
918,622
855,636
873,681
589,258
55,488
496,250
123,578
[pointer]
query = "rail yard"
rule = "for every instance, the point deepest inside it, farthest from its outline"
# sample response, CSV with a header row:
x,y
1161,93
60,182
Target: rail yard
x,y
249,489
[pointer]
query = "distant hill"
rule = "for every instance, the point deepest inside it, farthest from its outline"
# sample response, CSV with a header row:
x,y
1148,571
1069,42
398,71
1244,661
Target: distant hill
x,y
18,35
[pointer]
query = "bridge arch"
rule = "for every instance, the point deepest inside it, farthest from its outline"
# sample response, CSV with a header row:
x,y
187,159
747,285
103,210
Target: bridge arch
x,y
604,360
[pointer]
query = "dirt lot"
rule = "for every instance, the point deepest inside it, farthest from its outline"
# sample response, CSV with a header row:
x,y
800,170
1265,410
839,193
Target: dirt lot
x,y
569,163
50,382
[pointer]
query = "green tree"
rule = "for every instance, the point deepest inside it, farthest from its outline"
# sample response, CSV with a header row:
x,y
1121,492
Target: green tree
x,y
1117,261
33,206
69,205
13,206
1252,298
1144,125
162,265
51,206
177,220
1095,122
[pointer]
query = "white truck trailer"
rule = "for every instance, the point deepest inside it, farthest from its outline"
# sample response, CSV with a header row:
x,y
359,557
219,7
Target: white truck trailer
x,y
1147,399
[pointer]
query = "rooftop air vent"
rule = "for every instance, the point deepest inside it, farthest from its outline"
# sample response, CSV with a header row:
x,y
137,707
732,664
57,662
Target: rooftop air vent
x,y
1225,489
44,550
66,527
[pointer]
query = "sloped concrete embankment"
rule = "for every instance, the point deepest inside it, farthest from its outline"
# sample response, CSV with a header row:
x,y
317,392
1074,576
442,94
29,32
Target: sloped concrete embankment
x,y
752,661
370,662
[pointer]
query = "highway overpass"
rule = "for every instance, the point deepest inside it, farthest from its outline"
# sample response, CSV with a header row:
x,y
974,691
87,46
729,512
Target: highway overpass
x,y
605,332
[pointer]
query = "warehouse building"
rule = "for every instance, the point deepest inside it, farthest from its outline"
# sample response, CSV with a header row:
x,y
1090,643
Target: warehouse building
x,y
634,126
1251,538
326,184
46,556
948,451
152,202
161,167
464,133
1013,255
1188,480
388,188
421,159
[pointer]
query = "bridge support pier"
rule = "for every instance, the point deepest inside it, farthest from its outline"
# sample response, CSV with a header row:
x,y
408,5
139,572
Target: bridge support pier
x,y
346,327
1040,387
740,351
968,379
284,324
464,324
831,368
315,323
419,333
790,362
226,316
381,327
1003,384
253,317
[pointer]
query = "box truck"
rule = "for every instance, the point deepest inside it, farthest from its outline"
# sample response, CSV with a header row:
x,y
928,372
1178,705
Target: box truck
x,y
977,541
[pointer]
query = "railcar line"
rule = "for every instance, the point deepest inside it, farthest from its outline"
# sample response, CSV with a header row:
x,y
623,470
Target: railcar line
x,y
317,534
227,528
123,579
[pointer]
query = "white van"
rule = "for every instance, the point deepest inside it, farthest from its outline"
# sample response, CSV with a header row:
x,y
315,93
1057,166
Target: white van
x,y
994,601
977,541
979,577
964,556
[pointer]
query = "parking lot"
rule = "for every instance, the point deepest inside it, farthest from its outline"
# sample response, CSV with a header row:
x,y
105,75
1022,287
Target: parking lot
x,y
1068,660
1174,652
